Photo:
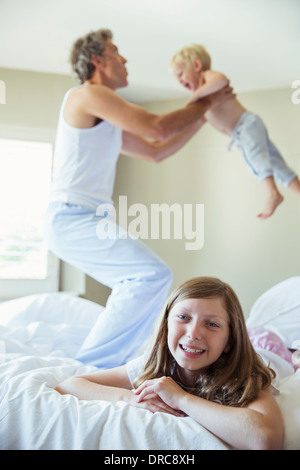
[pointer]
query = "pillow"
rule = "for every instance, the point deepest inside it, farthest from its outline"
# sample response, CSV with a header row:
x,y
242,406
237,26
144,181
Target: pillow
x,y
278,310
52,324
55,307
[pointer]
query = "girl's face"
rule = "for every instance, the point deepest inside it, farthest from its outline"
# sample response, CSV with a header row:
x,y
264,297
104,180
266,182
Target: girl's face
x,y
198,333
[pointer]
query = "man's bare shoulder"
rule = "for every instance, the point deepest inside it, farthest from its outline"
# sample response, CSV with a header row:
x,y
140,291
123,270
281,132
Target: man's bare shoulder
x,y
84,104
95,89
92,98
89,91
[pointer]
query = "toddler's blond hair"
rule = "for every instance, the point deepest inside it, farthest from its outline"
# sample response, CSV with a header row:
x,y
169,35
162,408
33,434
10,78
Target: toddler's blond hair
x,y
190,53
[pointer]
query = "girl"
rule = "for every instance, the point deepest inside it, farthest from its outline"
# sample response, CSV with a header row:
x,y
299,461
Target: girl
x,y
202,364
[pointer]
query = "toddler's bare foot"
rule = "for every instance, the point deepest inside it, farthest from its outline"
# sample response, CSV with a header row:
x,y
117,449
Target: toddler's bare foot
x,y
295,185
273,201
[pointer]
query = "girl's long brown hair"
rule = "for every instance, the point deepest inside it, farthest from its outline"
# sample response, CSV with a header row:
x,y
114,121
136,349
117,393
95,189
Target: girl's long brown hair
x,y
237,377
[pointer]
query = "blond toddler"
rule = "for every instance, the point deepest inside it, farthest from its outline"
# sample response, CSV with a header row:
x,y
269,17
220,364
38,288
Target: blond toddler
x,y
191,66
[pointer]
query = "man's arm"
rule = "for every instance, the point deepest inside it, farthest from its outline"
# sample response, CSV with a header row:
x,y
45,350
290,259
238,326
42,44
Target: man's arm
x,y
156,151
104,103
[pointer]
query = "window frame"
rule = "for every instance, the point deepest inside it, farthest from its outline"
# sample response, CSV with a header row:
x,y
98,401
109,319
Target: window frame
x,y
13,288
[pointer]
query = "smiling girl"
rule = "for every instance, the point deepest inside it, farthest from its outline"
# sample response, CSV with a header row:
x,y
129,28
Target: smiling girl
x,y
203,365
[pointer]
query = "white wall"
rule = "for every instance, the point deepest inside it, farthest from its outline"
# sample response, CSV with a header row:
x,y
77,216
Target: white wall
x,y
250,254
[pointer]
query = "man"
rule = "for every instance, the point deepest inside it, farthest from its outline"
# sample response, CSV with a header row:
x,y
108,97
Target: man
x,y
95,125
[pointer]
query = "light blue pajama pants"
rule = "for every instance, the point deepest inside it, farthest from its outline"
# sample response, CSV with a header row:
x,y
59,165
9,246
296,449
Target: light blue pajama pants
x,y
139,280
262,157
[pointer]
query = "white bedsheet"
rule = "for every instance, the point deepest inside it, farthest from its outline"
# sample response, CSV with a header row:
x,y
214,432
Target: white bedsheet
x,y
39,335
34,416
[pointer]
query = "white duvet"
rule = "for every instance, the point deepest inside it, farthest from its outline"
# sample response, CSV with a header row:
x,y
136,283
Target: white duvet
x,y
39,335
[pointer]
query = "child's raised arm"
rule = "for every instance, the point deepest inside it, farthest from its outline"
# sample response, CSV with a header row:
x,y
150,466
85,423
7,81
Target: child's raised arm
x,y
213,82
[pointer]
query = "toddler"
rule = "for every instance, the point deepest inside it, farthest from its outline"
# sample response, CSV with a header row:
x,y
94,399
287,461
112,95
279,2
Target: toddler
x,y
191,66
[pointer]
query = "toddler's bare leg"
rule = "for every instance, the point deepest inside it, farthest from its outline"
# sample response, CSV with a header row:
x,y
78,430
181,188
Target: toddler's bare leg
x,y
273,198
295,185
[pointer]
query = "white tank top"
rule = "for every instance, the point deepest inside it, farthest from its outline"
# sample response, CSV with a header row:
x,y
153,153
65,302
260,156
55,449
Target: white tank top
x,y
85,162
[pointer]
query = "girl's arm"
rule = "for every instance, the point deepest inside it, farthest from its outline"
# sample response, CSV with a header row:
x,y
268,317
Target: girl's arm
x,y
110,385
258,426
214,81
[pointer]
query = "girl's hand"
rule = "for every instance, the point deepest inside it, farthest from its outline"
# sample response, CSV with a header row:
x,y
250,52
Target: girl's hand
x,y
155,404
165,388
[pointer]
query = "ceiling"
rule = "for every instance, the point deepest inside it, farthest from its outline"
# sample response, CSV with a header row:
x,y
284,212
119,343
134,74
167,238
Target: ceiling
x,y
256,43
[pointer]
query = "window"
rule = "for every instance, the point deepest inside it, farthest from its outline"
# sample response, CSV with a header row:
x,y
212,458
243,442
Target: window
x,y
26,266
25,173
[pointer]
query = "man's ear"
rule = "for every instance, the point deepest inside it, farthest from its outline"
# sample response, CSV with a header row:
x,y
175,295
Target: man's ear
x,y
198,65
97,60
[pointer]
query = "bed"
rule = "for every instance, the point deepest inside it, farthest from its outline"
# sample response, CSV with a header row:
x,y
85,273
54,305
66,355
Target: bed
x,y
39,337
